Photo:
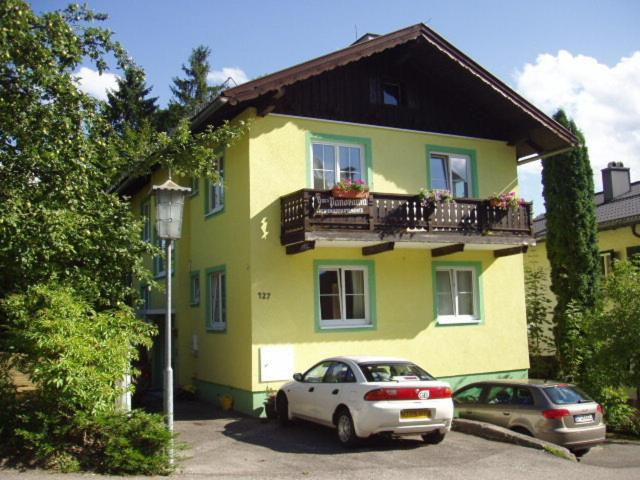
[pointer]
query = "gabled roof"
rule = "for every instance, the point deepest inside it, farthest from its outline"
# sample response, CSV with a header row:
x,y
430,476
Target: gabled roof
x,y
619,212
231,101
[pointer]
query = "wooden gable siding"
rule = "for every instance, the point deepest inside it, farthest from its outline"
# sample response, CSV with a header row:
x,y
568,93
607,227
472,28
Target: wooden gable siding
x,y
434,97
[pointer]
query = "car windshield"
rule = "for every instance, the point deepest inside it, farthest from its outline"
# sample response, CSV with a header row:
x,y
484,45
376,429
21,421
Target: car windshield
x,y
566,394
393,371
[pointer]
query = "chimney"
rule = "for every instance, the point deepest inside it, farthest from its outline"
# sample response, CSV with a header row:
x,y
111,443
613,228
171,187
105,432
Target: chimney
x,y
616,181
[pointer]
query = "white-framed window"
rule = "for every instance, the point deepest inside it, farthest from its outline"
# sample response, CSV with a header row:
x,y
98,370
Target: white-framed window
x,y
343,296
335,162
145,213
456,295
214,198
216,300
195,288
606,262
451,171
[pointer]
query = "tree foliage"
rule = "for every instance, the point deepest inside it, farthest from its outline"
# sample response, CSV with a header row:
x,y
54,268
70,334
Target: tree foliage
x,y
538,309
69,244
605,345
129,104
71,353
572,248
192,92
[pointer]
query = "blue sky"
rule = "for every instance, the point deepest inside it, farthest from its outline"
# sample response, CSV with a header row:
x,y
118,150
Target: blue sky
x,y
556,53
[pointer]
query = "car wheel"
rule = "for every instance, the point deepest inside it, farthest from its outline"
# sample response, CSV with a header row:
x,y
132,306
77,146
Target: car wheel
x,y
580,452
346,430
282,409
433,438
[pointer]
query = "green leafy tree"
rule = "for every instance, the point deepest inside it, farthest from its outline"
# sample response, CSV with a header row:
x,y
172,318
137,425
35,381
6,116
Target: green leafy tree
x,y
572,248
129,104
605,345
538,309
69,244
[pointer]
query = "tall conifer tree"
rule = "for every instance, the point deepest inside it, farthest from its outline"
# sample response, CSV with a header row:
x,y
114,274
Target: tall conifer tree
x,y
572,247
129,104
191,92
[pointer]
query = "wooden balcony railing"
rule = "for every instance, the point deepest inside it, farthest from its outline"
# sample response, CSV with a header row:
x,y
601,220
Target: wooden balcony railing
x,y
391,214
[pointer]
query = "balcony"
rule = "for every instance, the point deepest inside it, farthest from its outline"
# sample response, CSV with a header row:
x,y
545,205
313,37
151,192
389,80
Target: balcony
x,y
384,221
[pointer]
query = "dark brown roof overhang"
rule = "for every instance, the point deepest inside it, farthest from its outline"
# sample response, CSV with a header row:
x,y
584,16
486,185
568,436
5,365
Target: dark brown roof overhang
x,y
275,82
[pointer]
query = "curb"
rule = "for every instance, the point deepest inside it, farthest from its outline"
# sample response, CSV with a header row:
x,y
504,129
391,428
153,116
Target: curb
x,y
499,434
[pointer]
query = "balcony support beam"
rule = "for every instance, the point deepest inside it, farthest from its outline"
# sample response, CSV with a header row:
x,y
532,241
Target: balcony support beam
x,y
300,247
510,251
379,248
448,250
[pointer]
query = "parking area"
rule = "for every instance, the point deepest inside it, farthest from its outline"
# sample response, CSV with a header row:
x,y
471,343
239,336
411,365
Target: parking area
x,y
225,445
239,447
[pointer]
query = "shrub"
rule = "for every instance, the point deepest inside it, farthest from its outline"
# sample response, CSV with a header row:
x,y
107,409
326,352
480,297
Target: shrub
x,y
619,415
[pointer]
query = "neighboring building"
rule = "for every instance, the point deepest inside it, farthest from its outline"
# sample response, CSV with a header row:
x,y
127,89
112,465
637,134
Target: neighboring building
x,y
273,274
618,220
617,215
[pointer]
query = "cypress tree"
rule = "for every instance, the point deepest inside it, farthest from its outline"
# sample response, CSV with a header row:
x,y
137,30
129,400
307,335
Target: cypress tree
x,y
128,105
572,247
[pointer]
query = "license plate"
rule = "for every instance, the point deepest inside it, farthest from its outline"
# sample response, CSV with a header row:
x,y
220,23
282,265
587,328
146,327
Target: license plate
x,y
583,418
415,413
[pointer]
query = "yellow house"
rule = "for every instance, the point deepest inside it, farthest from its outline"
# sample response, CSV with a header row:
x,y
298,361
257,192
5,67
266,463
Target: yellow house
x,y
618,221
276,272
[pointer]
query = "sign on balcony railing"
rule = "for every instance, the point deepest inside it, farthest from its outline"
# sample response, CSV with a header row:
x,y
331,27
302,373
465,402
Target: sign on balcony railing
x,y
327,204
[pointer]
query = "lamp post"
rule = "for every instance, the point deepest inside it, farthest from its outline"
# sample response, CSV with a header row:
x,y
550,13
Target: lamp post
x,y
169,206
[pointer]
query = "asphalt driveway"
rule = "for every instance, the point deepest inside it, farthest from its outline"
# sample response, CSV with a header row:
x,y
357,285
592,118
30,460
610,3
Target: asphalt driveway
x,y
223,445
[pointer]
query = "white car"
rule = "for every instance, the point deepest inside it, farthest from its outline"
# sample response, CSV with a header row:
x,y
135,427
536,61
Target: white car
x,y
363,396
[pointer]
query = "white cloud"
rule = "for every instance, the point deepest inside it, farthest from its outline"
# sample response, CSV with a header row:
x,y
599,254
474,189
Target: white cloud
x,y
220,76
603,101
95,84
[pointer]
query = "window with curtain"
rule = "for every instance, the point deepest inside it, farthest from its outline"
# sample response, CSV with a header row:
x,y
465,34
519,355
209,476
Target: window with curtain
x,y
214,199
343,296
456,295
217,301
333,163
451,172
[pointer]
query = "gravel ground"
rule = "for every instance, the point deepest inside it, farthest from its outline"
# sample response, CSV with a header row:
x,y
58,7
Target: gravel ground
x,y
222,445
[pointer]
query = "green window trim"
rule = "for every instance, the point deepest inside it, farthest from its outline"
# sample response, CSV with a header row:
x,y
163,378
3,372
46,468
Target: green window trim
x,y
371,284
193,301
431,149
221,156
147,228
195,187
157,274
209,328
477,267
364,142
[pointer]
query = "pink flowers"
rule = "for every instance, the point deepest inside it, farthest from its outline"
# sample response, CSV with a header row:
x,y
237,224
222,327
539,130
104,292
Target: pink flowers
x,y
436,195
505,201
349,185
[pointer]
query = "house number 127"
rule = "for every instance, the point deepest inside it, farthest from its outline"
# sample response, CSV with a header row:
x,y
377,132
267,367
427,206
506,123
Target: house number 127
x,y
264,295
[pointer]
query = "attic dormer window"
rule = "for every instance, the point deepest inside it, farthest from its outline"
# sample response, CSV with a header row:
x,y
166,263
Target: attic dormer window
x,y
391,94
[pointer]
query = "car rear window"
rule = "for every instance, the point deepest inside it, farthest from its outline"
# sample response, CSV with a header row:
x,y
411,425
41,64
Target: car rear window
x,y
393,371
566,394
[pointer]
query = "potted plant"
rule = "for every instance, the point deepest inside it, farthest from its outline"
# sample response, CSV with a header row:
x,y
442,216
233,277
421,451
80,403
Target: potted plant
x,y
506,201
430,197
350,189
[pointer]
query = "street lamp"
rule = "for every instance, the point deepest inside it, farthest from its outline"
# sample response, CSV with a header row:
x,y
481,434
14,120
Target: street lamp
x,y
169,206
